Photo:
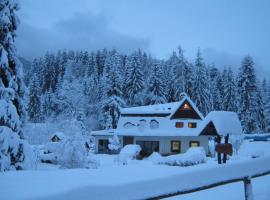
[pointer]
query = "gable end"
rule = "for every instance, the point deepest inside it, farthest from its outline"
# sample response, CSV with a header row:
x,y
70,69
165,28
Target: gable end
x,y
186,111
209,129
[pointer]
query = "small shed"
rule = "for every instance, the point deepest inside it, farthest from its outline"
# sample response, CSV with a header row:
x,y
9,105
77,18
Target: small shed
x,y
58,136
221,123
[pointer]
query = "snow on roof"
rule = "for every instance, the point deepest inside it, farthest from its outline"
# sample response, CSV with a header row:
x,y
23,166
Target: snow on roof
x,y
225,122
151,109
60,135
166,108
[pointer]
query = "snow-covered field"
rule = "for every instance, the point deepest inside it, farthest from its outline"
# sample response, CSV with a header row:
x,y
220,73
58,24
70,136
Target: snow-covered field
x,y
138,179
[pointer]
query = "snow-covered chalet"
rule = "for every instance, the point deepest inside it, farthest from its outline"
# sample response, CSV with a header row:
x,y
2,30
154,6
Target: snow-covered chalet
x,y
168,128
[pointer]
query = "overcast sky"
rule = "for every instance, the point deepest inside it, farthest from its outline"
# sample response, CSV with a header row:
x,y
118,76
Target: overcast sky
x,y
225,30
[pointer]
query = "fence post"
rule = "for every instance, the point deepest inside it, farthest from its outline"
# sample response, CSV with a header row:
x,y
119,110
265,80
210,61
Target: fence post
x,y
218,140
248,188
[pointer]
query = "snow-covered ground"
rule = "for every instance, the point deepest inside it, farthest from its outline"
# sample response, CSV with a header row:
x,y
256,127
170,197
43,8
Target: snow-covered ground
x,y
137,179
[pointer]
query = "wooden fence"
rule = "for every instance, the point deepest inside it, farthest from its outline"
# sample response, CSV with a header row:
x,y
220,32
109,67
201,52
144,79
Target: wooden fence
x,y
246,180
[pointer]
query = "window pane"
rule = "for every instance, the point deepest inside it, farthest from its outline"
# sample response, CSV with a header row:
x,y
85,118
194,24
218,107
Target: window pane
x,y
179,124
186,106
194,144
175,146
192,125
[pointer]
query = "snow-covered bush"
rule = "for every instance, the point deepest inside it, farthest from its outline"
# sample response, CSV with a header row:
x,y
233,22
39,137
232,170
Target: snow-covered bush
x,y
128,152
193,156
91,162
155,157
52,152
114,144
74,153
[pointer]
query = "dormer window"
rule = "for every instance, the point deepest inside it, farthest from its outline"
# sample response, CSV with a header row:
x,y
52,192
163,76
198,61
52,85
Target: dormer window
x,y
186,106
192,125
179,124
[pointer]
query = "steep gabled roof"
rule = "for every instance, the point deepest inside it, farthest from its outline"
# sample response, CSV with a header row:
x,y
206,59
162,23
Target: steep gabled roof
x,y
194,110
224,122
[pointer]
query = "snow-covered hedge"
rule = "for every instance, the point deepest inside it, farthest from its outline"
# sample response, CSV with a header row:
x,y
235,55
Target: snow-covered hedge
x,y
129,152
193,156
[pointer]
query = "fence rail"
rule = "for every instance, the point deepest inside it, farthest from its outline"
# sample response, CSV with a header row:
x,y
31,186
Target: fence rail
x,y
246,180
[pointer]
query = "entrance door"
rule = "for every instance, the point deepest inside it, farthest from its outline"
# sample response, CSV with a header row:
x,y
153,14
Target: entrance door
x,y
128,140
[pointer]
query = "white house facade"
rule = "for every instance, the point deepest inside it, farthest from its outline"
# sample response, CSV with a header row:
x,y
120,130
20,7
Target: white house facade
x,y
168,128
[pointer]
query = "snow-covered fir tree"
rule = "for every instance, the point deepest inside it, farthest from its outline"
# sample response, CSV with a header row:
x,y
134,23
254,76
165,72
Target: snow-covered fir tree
x,y
156,89
34,104
14,150
100,62
229,98
247,91
171,86
267,117
261,121
184,76
134,83
266,101
113,102
216,88
201,94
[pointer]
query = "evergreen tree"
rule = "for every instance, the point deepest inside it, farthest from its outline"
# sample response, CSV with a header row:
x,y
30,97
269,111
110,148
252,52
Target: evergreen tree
x,y
134,83
188,79
229,98
267,117
100,62
14,152
34,104
266,103
47,104
113,102
183,75
201,94
261,119
155,91
247,92
171,84
215,88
